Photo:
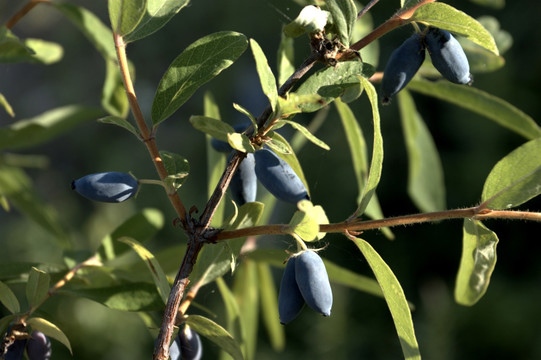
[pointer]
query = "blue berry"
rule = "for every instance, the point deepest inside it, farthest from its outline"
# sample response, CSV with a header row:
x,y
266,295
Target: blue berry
x,y
278,177
107,186
447,56
290,300
243,185
313,282
403,64
38,347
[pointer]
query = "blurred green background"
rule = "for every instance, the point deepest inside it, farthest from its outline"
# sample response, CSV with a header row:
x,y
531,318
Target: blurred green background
x,y
505,324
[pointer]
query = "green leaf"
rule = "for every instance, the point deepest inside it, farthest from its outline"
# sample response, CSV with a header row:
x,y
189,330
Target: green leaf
x,y
18,188
215,333
293,103
177,167
332,82
246,291
37,286
49,329
141,226
45,127
215,159
311,19
125,15
447,17
113,97
395,298
266,77
425,173
119,121
376,163
8,299
215,260
91,26
304,131
247,113
277,145
158,275
36,51
213,127
305,222
477,262
232,310
269,306
124,297
195,66
7,107
515,179
481,103
240,142
286,59
156,15
344,15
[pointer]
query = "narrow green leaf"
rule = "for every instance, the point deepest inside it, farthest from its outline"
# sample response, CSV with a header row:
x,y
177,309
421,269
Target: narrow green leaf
x,y
8,299
141,226
20,191
286,59
215,159
44,52
177,167
395,298
91,26
332,82
195,66
215,333
266,77
376,163
35,51
156,15
425,173
240,142
125,297
446,17
477,262
7,107
269,306
232,310
246,292
126,14
158,275
37,286
481,103
113,97
49,329
213,127
293,103
45,127
515,179
344,15
119,121
304,131
277,145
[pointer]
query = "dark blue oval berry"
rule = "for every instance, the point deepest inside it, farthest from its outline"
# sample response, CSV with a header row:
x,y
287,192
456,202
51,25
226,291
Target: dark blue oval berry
x,y
313,282
278,177
403,64
190,344
290,300
38,347
107,186
243,185
447,56
16,350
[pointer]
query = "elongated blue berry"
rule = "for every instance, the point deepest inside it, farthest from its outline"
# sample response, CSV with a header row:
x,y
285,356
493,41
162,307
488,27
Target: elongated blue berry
x,y
107,186
189,344
243,185
223,146
290,300
447,56
38,347
278,177
313,282
403,64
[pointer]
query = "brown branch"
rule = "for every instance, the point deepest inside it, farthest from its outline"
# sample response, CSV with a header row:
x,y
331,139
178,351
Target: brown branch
x,y
146,135
21,13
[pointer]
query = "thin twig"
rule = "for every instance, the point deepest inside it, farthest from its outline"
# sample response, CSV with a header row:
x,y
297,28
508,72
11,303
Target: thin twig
x,y
21,13
366,8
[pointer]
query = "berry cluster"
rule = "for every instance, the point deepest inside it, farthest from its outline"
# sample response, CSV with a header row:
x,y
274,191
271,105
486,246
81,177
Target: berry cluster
x,y
447,56
37,346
